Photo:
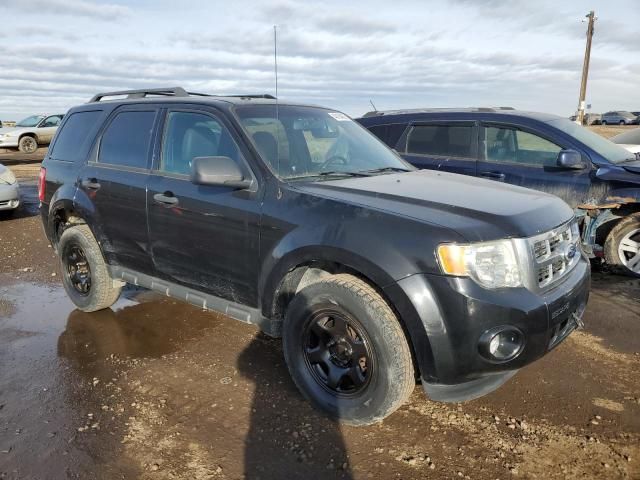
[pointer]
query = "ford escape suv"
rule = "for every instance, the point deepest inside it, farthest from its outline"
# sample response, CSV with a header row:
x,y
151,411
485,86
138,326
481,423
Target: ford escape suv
x,y
296,219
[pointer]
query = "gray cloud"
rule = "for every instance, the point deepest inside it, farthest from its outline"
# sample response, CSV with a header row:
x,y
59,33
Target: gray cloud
x,y
81,8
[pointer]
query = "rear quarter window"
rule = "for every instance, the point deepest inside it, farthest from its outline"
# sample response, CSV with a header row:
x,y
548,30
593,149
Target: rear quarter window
x,y
75,137
126,140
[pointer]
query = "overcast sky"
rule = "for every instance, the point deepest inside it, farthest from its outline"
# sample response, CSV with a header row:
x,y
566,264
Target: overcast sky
x,y
526,54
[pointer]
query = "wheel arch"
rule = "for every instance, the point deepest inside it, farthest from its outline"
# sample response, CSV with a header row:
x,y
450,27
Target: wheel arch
x,y
301,268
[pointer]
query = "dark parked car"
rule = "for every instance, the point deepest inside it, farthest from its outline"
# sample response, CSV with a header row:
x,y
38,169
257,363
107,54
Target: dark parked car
x,y
296,219
618,117
597,178
637,120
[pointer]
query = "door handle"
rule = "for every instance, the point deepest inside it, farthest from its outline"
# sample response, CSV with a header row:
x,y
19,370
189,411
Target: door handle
x,y
494,175
167,199
90,183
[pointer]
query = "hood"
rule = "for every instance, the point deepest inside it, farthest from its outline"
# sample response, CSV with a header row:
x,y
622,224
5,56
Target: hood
x,y
9,129
478,209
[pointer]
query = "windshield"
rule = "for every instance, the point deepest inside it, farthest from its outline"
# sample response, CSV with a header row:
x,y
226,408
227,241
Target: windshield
x,y
31,121
606,148
302,142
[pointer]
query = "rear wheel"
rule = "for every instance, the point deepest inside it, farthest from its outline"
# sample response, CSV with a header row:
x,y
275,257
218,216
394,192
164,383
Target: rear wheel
x,y
622,122
604,122
346,350
85,275
27,144
622,248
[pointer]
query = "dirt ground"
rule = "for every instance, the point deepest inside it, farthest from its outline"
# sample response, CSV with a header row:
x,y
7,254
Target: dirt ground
x,y
157,389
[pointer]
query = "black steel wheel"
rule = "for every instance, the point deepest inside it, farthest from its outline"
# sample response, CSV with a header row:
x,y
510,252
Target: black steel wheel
x,y
77,268
338,352
346,350
85,274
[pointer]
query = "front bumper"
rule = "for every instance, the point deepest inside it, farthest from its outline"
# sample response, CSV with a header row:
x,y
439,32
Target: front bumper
x,y
9,196
10,142
456,312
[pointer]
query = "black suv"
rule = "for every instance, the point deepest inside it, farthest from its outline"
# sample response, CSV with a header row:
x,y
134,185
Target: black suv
x,y
296,219
597,178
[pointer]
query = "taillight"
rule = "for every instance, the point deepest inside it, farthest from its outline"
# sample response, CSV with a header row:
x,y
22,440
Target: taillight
x,y
42,179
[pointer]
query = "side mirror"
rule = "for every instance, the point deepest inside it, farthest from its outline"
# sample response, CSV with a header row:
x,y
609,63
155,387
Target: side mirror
x,y
570,160
220,171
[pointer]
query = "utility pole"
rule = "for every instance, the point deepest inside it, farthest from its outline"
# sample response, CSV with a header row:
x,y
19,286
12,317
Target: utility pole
x,y
585,67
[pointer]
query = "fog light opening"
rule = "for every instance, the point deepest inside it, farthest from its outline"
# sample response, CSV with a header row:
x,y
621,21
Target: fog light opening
x,y
501,344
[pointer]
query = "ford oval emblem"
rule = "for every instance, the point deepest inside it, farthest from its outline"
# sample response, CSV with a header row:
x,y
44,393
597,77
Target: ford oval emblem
x,y
571,252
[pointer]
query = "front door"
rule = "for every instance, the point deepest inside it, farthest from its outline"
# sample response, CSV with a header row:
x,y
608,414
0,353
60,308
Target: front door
x,y
47,128
526,158
448,146
205,237
115,180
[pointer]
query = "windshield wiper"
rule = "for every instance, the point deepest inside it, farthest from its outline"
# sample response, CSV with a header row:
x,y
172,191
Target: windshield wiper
x,y
330,173
387,169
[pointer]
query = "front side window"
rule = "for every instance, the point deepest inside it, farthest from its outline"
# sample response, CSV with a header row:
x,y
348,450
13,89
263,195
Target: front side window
x,y
52,121
126,140
304,142
508,145
189,135
441,140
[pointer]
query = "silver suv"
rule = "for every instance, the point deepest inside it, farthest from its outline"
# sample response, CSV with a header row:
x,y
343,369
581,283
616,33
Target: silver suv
x,y
619,117
31,132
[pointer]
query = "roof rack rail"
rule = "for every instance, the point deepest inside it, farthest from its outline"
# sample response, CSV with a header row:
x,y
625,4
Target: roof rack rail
x,y
167,92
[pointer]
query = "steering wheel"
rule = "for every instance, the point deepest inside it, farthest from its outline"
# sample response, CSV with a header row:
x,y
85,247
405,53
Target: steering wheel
x,y
333,160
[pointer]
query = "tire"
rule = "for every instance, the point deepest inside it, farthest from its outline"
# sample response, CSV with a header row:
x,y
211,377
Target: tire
x,y
621,242
622,122
28,144
85,275
604,122
376,353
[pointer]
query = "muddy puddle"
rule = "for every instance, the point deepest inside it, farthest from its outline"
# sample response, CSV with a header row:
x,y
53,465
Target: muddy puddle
x,y
57,365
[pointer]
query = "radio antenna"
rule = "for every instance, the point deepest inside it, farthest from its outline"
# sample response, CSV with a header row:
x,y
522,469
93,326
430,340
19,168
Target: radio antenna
x,y
275,68
374,107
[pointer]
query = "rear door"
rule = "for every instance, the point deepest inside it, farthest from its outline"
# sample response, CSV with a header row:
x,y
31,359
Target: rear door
x,y
115,181
203,236
528,158
450,146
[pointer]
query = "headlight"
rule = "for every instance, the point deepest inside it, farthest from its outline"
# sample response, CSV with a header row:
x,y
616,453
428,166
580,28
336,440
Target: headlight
x,y
7,176
491,264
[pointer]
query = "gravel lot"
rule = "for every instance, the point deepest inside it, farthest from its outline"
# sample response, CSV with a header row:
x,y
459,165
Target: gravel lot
x,y
157,389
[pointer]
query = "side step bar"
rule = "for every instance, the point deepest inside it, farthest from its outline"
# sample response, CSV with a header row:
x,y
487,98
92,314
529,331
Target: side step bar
x,y
199,299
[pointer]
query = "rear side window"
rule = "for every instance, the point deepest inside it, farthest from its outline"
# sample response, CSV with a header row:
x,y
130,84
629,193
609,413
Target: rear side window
x,y
126,140
75,137
441,140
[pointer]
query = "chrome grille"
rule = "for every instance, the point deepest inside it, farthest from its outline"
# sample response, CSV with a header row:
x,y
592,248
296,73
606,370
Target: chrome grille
x,y
555,253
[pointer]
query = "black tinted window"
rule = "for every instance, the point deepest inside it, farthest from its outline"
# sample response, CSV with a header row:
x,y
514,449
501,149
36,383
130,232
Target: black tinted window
x,y
190,135
442,140
75,138
389,134
126,140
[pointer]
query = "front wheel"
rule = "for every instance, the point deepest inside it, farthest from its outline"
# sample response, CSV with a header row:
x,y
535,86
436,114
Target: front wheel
x,y
622,248
27,144
346,350
622,122
604,122
85,275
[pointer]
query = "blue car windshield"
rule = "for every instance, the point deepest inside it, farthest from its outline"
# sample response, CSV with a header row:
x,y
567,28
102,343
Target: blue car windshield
x,y
304,142
606,148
